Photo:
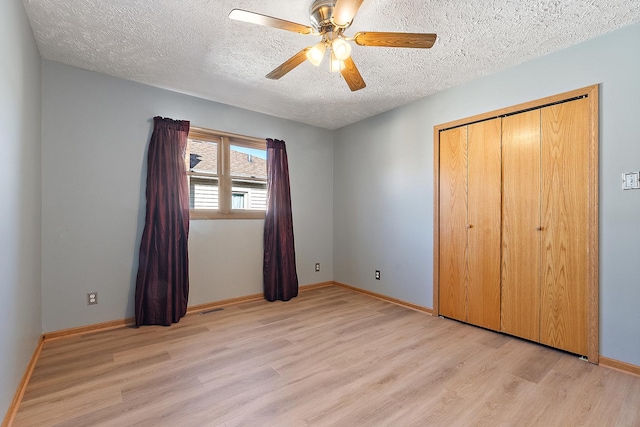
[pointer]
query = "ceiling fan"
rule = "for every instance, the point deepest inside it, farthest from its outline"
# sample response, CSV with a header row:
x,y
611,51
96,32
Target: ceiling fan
x,y
330,19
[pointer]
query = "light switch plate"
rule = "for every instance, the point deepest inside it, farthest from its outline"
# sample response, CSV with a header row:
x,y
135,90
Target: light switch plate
x,y
631,180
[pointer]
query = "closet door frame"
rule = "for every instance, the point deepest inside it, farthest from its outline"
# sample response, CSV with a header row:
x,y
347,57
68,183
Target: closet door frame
x,y
592,292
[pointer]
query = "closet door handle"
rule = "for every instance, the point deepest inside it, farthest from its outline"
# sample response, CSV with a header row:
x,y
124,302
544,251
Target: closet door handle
x,y
539,228
469,226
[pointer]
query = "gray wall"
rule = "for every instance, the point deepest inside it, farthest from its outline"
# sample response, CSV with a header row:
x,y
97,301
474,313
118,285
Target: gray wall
x,y
96,130
383,175
20,192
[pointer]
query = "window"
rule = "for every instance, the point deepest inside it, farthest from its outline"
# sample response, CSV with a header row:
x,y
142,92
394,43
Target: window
x,y
238,200
227,175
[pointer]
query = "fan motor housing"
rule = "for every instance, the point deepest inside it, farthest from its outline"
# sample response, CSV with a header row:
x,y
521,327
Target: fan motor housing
x,y
321,12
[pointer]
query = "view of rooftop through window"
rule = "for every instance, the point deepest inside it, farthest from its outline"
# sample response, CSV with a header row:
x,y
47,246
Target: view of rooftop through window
x,y
248,162
245,172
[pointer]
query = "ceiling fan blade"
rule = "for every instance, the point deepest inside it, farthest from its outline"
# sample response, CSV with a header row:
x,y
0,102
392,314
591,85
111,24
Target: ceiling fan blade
x,y
352,75
417,40
345,10
289,64
268,21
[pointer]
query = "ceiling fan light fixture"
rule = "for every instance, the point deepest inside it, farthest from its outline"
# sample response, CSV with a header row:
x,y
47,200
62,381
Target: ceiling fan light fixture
x,y
330,19
316,53
336,64
341,48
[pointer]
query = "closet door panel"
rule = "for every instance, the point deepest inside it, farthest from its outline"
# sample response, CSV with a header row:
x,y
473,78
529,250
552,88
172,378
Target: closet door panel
x,y
453,220
483,232
565,150
521,237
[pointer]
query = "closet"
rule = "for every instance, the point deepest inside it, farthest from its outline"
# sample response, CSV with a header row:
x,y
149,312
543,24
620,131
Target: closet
x,y
516,221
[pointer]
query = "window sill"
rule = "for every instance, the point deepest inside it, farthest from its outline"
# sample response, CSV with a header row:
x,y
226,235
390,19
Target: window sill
x,y
204,214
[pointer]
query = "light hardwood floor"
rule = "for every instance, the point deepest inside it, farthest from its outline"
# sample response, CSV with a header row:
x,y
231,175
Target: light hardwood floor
x,y
328,357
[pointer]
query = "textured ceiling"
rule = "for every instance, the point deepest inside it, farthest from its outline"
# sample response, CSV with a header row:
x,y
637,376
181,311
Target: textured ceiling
x,y
191,46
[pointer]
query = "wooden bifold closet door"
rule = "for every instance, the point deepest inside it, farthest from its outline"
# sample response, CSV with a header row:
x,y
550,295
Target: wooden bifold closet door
x,y
545,229
517,223
470,194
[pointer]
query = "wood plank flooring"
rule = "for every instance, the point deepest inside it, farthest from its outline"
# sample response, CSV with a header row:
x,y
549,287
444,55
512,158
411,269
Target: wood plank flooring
x,y
328,357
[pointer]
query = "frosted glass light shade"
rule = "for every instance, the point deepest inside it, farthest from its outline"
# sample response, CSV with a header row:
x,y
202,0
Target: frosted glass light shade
x,y
316,53
336,64
341,49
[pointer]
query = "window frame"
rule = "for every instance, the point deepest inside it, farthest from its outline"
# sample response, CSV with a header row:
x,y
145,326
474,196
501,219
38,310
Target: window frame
x,y
225,193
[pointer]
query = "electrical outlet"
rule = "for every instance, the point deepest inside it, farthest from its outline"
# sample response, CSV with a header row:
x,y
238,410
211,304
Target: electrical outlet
x,y
92,298
377,274
317,266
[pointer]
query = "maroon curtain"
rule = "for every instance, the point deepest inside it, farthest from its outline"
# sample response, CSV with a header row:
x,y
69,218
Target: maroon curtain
x,y
279,268
162,285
